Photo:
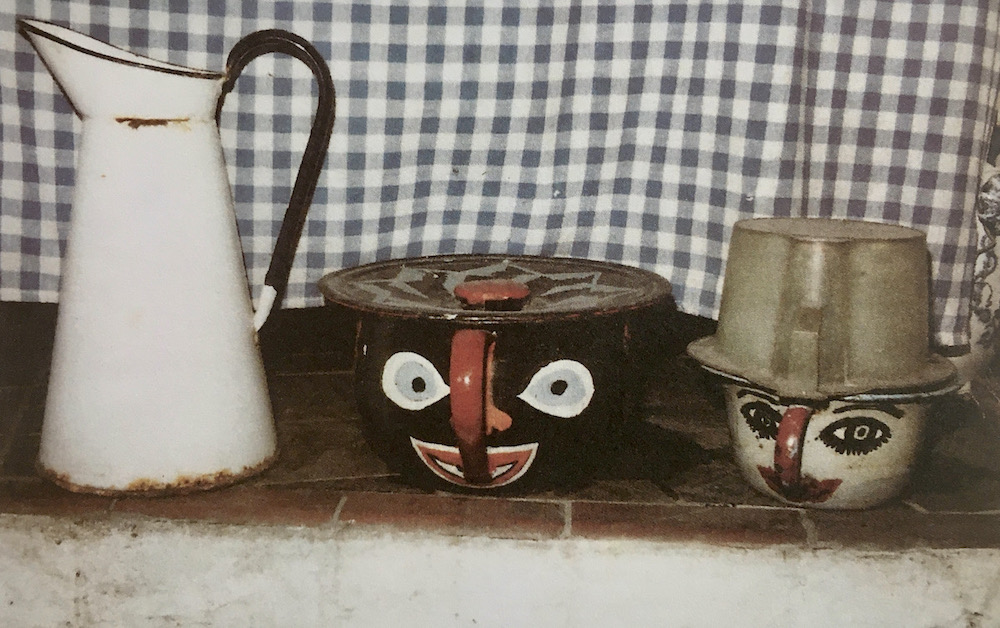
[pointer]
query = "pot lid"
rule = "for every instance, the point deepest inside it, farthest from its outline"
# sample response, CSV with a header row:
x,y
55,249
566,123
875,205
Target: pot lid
x,y
494,287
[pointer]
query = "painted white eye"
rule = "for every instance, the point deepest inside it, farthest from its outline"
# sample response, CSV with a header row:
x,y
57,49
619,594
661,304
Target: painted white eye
x,y
412,382
563,389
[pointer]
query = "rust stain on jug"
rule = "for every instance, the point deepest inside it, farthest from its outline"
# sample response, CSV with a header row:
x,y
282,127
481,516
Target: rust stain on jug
x,y
136,123
147,487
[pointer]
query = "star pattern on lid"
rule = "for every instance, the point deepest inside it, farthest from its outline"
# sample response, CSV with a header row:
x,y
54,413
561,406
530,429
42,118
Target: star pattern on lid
x,y
433,286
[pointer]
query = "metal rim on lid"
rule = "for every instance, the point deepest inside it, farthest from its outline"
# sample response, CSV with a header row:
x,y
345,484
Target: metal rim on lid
x,y
558,287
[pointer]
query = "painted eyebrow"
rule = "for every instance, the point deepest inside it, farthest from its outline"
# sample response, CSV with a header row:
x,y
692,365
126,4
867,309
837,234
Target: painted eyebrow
x,y
743,392
887,408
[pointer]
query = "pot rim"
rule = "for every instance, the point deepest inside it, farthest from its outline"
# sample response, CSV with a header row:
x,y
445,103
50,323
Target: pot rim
x,y
340,287
901,395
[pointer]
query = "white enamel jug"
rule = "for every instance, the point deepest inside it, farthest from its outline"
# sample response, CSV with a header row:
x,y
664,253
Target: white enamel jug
x,y
157,383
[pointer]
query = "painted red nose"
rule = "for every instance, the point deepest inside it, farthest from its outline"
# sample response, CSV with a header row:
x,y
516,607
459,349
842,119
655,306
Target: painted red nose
x,y
786,478
788,449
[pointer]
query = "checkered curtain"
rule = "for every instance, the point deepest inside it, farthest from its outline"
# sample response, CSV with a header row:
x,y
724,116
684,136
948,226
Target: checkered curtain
x,y
625,131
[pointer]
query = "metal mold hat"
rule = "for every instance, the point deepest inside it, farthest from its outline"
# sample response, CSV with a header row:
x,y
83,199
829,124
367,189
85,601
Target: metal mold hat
x,y
817,308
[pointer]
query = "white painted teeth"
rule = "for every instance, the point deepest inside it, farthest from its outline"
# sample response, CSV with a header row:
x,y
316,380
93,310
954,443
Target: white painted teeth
x,y
450,468
457,472
504,468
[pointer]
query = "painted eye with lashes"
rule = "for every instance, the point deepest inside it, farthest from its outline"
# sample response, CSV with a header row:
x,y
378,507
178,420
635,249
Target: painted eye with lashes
x,y
855,435
762,417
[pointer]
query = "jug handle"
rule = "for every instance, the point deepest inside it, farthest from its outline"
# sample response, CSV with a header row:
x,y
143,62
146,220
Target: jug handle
x,y
245,51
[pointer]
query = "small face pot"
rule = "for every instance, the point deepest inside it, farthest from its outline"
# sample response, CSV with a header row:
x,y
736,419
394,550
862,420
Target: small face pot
x,y
496,373
839,453
822,343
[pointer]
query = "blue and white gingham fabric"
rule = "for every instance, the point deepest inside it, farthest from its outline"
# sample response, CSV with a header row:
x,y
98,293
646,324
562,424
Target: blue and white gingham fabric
x,y
635,132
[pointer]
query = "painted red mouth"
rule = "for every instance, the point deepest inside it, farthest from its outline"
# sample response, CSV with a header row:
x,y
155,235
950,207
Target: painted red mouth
x,y
506,464
806,489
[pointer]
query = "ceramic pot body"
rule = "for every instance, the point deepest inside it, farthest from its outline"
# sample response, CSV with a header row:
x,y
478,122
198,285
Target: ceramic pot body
x,y
553,396
835,453
157,384
493,372
823,345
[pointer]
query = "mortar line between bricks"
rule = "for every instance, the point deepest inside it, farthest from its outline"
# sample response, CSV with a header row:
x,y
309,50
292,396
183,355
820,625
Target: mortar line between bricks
x,y
812,534
321,480
289,374
915,506
567,530
335,518
962,513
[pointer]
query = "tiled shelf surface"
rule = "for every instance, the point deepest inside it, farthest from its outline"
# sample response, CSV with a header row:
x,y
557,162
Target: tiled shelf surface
x,y
672,479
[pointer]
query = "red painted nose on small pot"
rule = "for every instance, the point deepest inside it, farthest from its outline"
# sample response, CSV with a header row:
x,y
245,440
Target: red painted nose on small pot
x,y
786,477
788,449
470,374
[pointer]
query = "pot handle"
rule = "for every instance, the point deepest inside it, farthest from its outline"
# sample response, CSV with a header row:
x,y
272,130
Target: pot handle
x,y
245,51
467,381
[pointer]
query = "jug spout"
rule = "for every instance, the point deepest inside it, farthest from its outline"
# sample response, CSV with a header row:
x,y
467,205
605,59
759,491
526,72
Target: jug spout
x,y
101,80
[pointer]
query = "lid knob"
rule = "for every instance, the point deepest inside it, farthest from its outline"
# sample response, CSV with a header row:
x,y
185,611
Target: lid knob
x,y
495,295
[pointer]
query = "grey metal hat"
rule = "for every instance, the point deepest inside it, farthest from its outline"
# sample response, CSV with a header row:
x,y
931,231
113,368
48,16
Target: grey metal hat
x,y
816,308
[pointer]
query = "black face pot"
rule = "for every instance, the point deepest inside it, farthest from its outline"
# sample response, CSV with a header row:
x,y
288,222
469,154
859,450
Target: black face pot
x,y
508,373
